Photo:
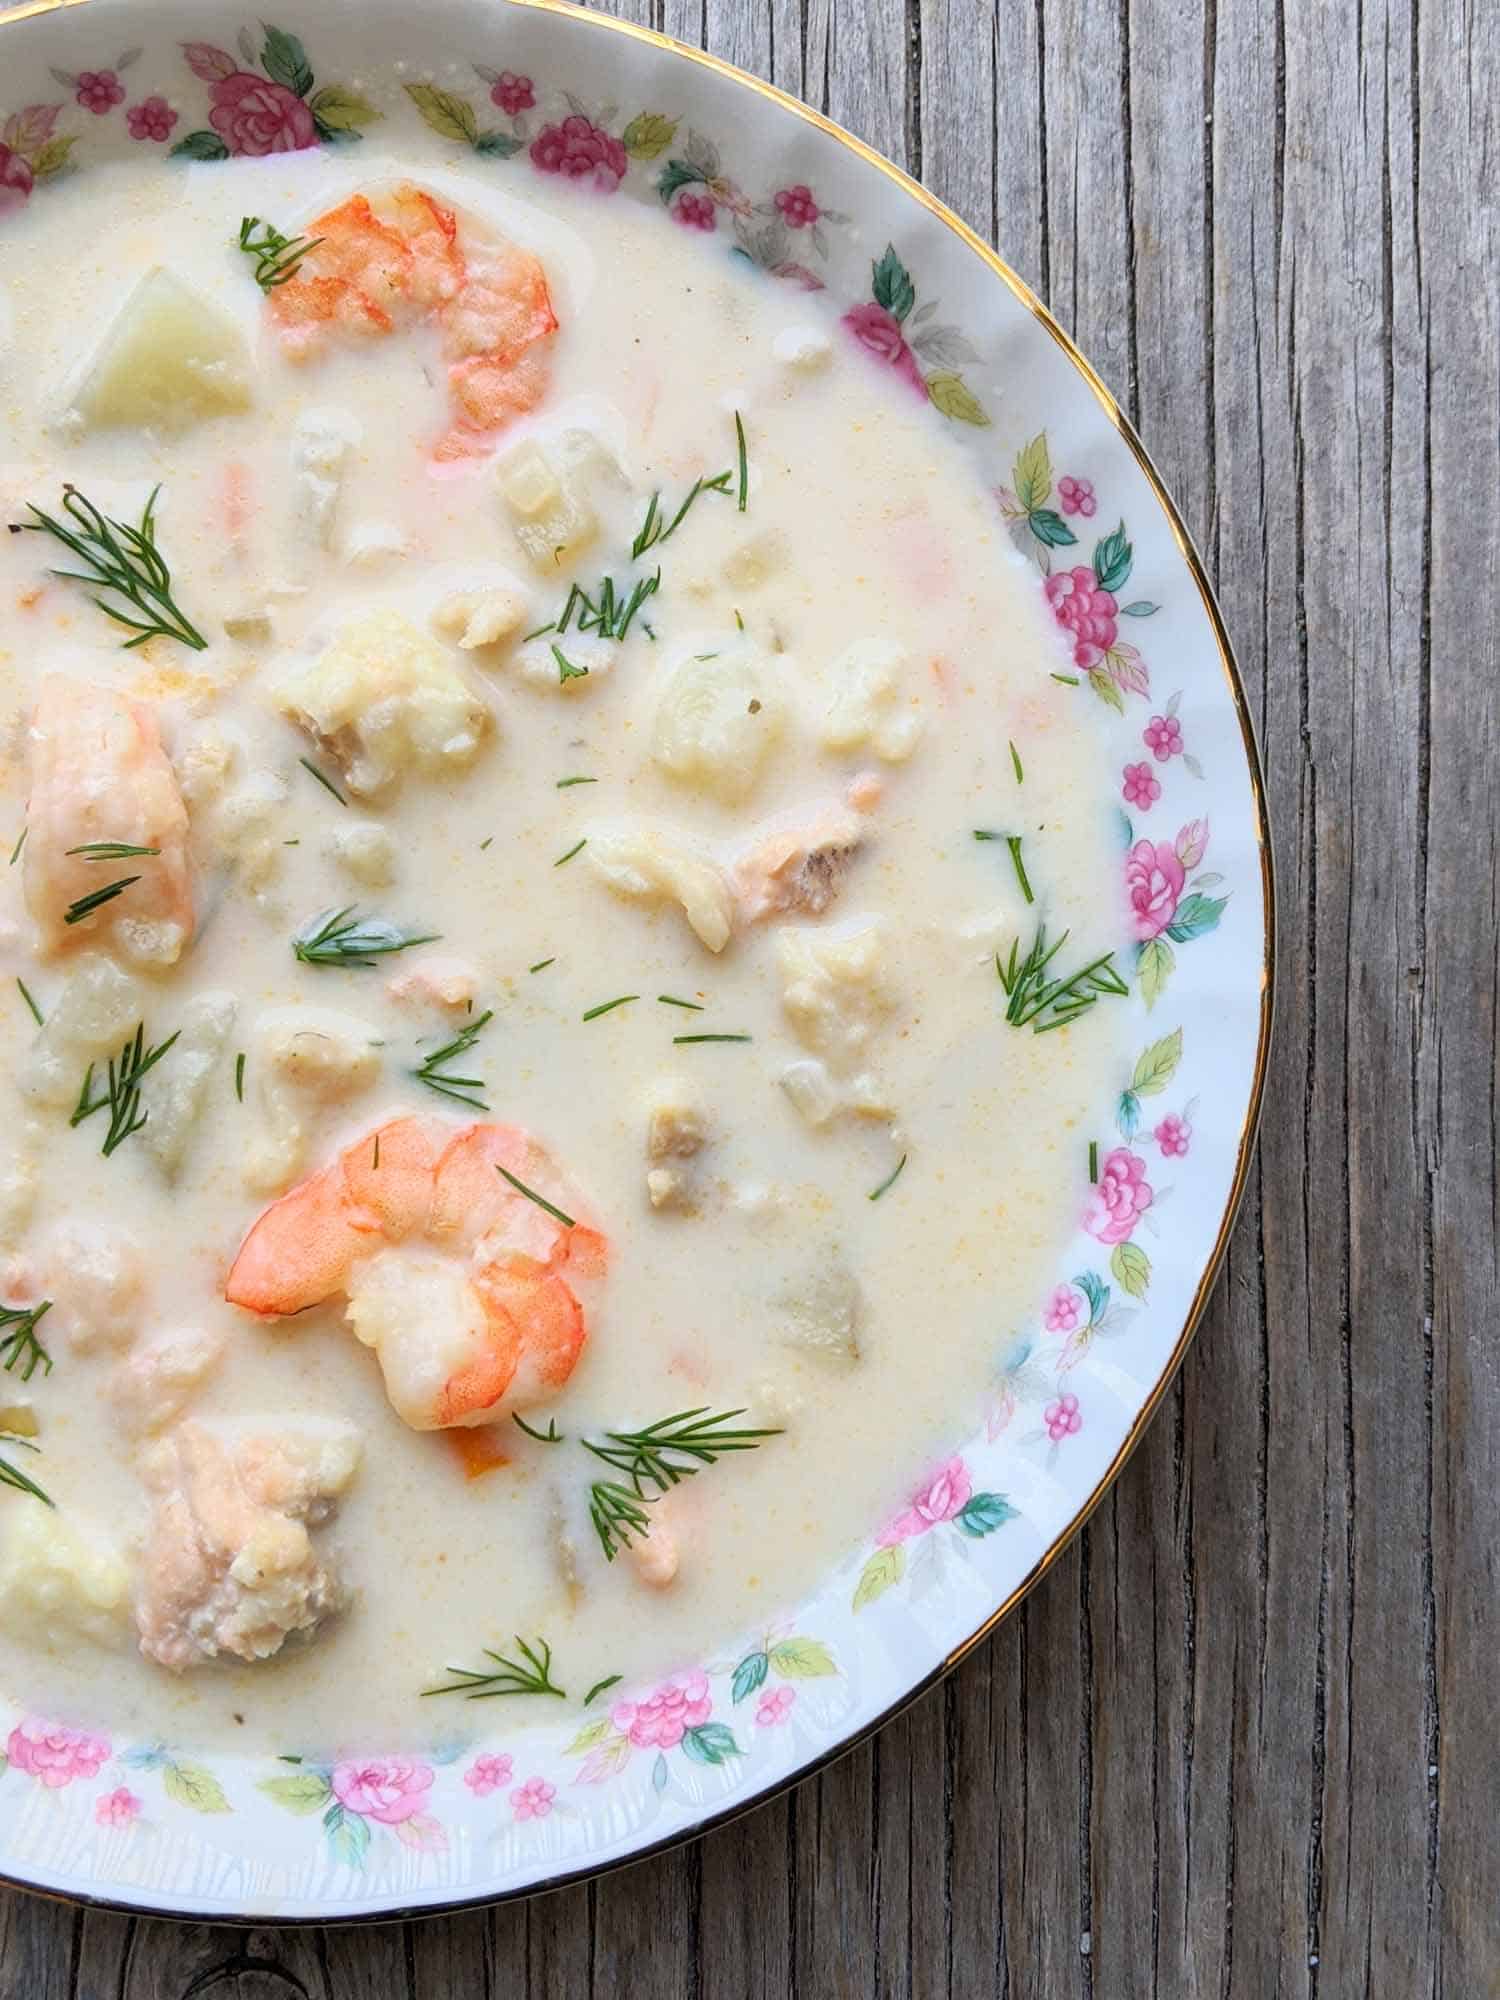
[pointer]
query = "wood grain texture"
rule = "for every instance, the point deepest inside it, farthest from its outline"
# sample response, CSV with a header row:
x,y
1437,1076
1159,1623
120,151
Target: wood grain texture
x,y
1241,1742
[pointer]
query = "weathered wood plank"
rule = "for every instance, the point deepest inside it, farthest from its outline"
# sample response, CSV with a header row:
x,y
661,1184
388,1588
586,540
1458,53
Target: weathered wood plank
x,y
1241,1741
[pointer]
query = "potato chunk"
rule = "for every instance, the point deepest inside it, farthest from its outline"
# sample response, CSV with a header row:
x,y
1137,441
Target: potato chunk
x,y
172,1094
60,1579
869,707
820,1313
549,510
836,990
301,1059
383,700
647,863
716,722
98,1007
169,361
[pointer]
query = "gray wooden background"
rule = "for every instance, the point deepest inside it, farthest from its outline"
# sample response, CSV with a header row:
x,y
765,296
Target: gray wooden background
x,y
1243,1740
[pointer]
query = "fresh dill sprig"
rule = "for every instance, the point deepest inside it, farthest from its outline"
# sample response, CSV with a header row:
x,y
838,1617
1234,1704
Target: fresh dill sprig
x,y
86,905
19,1347
36,1012
540,1199
567,670
1015,759
671,1000
541,965
599,1687
739,435
684,1041
1093,1162
609,1006
571,852
111,850
122,560
1034,1000
891,1178
323,779
564,784
15,852
464,1089
654,1457
551,1435
13,1476
344,937
617,1514
276,256
531,1674
239,1076
122,1088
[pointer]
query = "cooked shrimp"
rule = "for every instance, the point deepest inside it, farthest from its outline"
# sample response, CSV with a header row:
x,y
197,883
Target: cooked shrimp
x,y
99,775
370,273
451,1274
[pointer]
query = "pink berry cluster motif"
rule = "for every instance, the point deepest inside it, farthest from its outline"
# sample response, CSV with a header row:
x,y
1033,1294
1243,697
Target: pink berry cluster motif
x,y
1163,738
100,91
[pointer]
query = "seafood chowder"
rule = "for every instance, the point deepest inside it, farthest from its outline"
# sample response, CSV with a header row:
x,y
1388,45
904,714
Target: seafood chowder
x,y
526,754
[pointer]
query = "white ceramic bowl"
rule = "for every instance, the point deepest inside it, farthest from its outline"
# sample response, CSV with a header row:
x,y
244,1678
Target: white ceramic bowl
x,y
539,88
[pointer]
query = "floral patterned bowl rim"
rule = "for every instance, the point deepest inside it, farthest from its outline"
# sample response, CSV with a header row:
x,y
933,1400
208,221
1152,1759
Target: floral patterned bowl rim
x,y
538,86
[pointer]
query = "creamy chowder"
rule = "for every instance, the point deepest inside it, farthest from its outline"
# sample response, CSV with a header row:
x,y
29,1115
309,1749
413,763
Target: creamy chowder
x,y
512,1124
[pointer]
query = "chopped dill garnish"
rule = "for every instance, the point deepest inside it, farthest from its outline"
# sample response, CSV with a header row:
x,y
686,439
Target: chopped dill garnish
x,y
86,905
551,1435
890,1180
540,1199
680,1041
375,1155
343,937
1068,680
462,1088
566,670
609,1006
36,1012
19,1347
111,850
13,1476
531,1674
122,1089
1033,999
323,779
276,256
541,964
1013,842
15,852
652,531
540,632
122,560
654,1457
1093,1162
564,783
739,433
605,611
671,1000
738,619
599,1687
1015,758
488,842
239,1076
571,852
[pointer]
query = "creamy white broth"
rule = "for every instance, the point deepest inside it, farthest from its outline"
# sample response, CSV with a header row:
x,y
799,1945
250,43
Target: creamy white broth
x,y
862,522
